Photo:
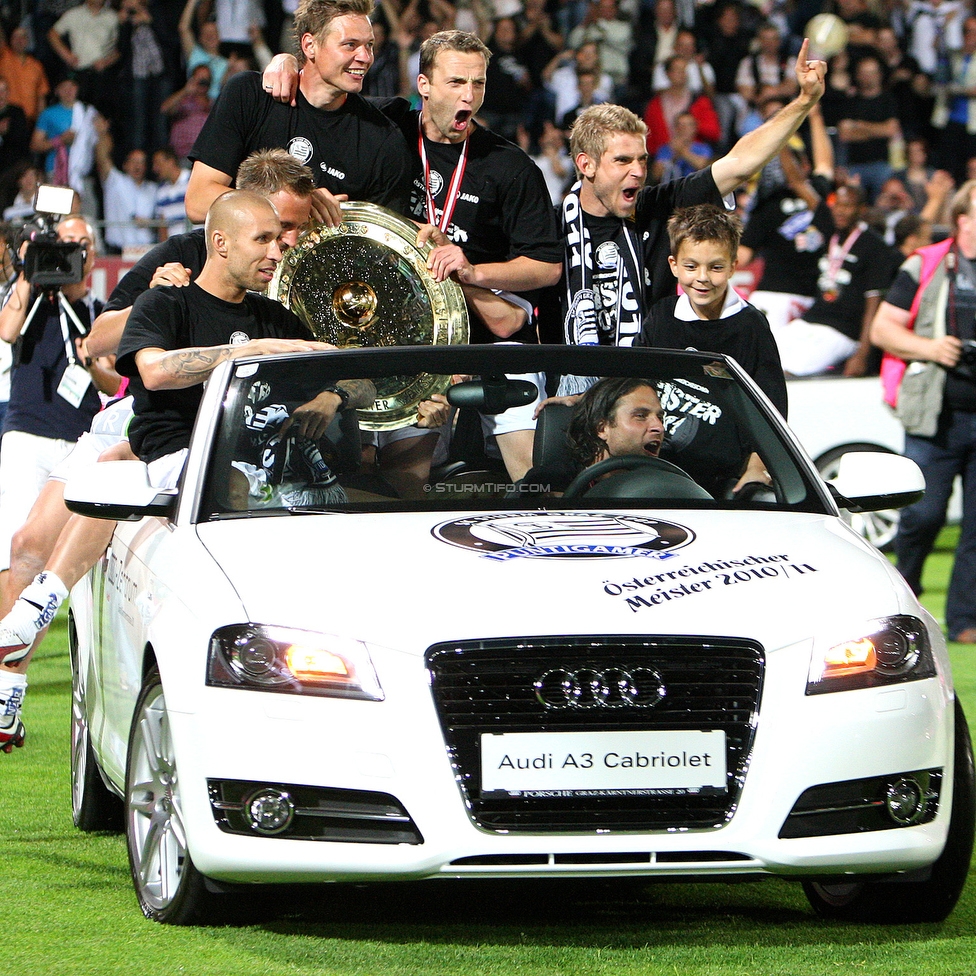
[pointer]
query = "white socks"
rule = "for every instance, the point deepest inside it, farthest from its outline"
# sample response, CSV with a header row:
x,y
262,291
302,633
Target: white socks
x,y
12,688
34,610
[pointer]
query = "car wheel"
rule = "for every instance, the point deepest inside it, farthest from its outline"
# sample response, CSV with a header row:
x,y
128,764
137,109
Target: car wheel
x,y
879,528
911,902
169,887
93,807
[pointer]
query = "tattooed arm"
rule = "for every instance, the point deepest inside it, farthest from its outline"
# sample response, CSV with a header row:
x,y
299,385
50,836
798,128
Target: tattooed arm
x,y
177,369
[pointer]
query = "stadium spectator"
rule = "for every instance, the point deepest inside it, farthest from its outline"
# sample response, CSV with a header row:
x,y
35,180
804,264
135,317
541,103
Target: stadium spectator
x,y
15,132
129,198
507,83
955,107
587,82
188,109
684,154
917,171
85,38
384,79
562,76
935,28
552,159
202,51
170,209
24,74
28,180
727,43
234,21
701,75
766,73
143,75
908,83
66,132
655,42
613,36
676,99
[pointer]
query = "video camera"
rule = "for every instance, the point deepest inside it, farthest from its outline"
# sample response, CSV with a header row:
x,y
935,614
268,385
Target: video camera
x,y
50,262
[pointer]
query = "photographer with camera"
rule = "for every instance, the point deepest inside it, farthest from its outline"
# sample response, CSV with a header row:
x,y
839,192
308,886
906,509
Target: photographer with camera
x,y
54,383
927,327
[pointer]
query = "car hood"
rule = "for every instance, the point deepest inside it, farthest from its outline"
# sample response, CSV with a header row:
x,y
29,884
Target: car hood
x,y
409,580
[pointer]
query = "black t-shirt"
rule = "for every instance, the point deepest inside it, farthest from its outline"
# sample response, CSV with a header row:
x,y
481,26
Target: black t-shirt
x,y
40,359
960,389
189,250
503,211
352,150
868,267
880,108
655,204
782,230
700,438
606,282
179,318
744,335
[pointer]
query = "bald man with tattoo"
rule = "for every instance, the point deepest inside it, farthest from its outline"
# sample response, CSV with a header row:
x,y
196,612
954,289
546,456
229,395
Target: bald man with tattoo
x,y
176,337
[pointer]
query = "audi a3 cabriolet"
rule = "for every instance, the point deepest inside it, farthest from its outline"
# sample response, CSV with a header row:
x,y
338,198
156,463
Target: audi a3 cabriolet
x,y
639,666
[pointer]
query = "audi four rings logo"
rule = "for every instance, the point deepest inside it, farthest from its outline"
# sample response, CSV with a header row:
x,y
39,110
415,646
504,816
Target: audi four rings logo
x,y
589,688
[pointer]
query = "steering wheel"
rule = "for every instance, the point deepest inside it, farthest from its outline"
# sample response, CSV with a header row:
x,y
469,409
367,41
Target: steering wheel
x,y
642,476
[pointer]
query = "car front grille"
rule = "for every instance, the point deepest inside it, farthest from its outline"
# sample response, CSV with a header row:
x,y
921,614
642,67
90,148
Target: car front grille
x,y
489,687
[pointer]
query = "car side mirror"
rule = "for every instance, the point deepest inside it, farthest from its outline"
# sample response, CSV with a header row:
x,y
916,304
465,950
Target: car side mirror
x,y
118,490
870,481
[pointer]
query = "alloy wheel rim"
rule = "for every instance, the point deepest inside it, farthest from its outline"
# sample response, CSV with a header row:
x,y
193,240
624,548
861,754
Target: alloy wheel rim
x,y
157,839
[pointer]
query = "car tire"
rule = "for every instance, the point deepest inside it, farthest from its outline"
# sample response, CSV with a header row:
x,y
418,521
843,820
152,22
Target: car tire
x,y
912,902
878,528
93,806
169,887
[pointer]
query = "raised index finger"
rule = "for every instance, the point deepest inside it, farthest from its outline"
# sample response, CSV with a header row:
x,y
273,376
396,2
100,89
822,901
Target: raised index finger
x,y
802,57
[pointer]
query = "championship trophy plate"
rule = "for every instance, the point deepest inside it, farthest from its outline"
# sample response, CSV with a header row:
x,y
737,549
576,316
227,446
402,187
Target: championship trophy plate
x,y
365,283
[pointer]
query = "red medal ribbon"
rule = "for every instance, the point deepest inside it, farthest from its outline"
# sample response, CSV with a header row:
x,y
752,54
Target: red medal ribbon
x,y
454,188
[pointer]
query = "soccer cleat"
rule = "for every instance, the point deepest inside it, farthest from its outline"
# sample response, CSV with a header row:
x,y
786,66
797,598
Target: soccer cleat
x,y
12,647
12,735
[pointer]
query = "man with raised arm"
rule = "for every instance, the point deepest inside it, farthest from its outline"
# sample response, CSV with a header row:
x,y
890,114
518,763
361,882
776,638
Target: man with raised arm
x,y
614,227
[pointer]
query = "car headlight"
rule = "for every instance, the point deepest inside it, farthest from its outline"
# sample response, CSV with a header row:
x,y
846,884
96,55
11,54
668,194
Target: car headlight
x,y
888,651
283,659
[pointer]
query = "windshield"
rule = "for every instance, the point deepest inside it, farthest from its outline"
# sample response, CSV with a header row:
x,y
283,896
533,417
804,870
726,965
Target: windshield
x,y
466,428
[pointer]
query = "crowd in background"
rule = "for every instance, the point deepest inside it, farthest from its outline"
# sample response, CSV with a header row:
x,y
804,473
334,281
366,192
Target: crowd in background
x,y
111,100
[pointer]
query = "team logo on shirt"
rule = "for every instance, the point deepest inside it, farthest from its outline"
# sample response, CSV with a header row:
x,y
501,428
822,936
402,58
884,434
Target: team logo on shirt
x,y
436,182
239,338
607,256
301,149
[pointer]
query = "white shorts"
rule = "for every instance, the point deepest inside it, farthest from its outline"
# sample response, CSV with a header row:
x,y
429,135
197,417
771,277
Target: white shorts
x,y
26,462
808,348
108,428
780,307
165,471
380,438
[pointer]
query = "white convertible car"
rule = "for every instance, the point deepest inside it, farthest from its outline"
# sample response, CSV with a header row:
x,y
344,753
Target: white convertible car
x,y
286,673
